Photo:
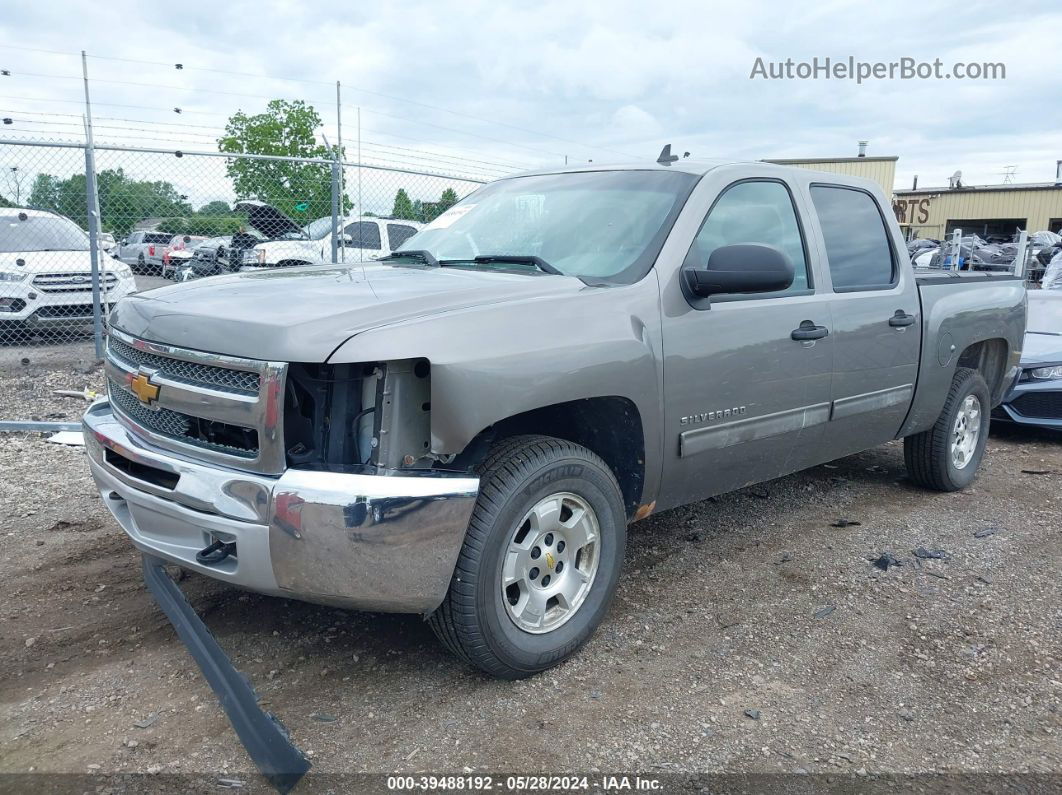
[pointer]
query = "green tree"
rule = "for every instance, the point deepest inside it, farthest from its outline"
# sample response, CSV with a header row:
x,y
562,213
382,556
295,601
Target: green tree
x,y
289,129
447,200
404,207
123,201
215,208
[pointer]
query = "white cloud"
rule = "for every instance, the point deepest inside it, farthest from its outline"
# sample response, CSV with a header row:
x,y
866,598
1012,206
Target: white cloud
x,y
529,84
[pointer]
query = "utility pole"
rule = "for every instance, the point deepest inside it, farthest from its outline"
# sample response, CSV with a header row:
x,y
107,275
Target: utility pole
x,y
92,207
359,163
16,182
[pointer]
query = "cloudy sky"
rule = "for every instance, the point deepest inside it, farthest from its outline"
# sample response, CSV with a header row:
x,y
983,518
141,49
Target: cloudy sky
x,y
489,87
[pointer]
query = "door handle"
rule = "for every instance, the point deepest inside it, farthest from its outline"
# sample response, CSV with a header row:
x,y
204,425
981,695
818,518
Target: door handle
x,y
901,319
809,331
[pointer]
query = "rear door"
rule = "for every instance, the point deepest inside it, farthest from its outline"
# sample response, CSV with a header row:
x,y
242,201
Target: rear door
x,y
744,396
876,319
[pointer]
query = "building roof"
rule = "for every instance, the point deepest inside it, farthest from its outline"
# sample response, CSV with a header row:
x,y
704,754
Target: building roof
x,y
789,161
1014,186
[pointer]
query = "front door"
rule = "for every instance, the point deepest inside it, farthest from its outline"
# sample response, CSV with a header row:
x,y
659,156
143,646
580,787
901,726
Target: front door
x,y
744,393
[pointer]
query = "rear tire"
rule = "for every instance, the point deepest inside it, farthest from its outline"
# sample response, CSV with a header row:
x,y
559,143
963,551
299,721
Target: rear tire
x,y
946,457
141,265
545,495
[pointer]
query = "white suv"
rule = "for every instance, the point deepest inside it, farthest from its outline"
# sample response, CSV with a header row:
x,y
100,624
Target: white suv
x,y
46,273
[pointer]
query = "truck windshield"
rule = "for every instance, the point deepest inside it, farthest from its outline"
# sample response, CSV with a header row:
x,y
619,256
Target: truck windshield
x,y
23,232
602,225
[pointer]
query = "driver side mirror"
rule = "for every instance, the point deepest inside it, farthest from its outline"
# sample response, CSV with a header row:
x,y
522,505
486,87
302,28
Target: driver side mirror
x,y
741,268
346,240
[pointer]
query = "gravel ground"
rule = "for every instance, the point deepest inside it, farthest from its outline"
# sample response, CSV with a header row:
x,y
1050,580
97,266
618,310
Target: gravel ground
x,y
750,633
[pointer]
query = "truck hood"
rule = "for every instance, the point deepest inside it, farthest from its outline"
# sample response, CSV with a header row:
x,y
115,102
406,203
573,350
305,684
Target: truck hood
x,y
267,219
304,314
52,261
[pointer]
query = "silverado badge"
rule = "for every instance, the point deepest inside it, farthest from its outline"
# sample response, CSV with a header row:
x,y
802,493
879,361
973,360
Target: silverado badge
x,y
141,386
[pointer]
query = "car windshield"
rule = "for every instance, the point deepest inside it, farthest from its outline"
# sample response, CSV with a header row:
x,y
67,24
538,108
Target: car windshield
x,y
23,232
316,230
601,225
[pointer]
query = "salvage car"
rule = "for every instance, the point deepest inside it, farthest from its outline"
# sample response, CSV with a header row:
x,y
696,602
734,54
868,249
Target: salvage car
x,y
46,274
271,239
465,429
177,252
1036,398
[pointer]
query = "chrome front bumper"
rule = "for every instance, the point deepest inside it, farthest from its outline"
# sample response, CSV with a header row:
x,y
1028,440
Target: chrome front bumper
x,y
373,542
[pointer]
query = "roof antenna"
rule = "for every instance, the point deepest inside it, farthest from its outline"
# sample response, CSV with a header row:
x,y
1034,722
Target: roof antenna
x,y
666,158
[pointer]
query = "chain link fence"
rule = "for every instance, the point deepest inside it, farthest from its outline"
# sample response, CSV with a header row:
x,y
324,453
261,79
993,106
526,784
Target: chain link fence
x,y
88,226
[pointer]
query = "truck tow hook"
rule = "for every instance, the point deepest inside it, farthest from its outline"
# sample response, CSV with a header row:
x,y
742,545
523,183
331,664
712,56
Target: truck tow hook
x,y
215,553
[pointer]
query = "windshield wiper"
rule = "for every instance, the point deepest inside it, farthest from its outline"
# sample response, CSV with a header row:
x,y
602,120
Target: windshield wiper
x,y
519,259
413,253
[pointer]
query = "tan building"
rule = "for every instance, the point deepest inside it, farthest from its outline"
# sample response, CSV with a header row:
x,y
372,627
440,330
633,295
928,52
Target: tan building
x,y
880,169
981,209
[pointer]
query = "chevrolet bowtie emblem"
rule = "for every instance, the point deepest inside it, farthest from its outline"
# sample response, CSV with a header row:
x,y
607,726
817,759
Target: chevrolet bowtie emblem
x,y
141,386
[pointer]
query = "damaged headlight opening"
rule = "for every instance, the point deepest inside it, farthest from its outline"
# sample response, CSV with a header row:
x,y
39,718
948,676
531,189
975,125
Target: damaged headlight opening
x,y
351,416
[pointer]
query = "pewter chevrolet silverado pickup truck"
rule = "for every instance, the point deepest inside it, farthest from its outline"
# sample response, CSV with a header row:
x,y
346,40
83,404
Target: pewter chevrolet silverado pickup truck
x,y
466,429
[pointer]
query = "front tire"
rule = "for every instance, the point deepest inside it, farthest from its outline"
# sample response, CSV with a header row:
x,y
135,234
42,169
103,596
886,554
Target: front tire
x,y
946,457
541,559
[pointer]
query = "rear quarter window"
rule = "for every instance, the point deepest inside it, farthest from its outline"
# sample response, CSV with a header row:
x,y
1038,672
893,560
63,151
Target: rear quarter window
x,y
857,242
398,234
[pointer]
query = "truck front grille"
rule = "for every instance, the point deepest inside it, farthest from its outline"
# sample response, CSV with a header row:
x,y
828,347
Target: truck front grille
x,y
218,436
238,381
72,282
223,409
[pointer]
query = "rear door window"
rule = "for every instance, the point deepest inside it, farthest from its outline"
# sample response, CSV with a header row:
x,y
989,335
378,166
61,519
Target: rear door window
x,y
857,242
154,237
398,234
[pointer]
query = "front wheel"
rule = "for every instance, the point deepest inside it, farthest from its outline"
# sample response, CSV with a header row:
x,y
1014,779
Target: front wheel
x,y
946,457
540,561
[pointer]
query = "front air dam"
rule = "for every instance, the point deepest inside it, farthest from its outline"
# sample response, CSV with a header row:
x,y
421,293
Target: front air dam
x,y
264,737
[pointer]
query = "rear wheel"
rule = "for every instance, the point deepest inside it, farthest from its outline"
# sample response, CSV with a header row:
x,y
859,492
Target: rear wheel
x,y
141,264
541,559
946,457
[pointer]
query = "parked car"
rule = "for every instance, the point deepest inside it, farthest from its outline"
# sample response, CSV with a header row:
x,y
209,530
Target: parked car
x,y
46,273
1036,397
272,240
142,250
177,252
465,429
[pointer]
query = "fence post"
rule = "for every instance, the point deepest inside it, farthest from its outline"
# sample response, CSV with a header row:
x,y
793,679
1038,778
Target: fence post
x,y
92,206
335,210
92,212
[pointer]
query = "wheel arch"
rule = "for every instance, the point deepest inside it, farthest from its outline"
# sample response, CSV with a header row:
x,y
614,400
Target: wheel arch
x,y
609,426
989,358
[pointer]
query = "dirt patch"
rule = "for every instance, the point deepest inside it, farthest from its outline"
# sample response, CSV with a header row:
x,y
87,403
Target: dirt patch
x,y
750,633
